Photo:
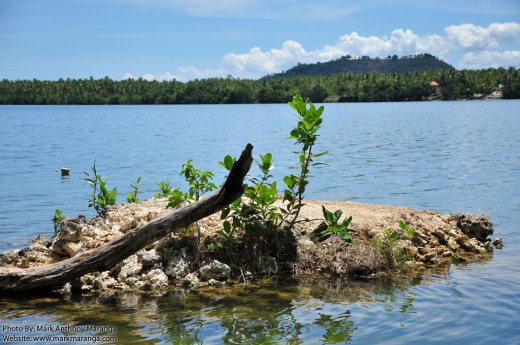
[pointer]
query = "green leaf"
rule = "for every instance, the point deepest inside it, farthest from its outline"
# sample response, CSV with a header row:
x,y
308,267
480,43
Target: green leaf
x,y
225,212
320,154
289,181
338,214
325,212
227,227
228,162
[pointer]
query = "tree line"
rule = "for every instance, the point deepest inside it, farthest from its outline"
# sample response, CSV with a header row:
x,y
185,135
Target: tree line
x,y
344,87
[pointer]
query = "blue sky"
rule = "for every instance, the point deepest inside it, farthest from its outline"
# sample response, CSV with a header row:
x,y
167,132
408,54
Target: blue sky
x,y
167,39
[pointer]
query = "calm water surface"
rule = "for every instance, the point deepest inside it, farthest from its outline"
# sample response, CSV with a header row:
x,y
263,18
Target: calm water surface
x,y
443,156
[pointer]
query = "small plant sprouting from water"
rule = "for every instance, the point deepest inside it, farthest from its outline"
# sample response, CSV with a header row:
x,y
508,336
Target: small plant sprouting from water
x,y
331,226
132,196
101,197
57,219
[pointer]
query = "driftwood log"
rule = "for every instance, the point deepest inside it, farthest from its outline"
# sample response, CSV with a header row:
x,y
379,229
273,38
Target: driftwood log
x,y
54,276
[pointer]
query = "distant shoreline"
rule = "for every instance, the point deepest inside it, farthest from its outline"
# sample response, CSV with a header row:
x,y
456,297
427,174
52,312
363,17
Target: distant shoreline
x,y
348,87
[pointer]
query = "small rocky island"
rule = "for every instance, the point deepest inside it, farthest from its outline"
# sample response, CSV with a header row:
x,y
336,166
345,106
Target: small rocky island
x,y
378,245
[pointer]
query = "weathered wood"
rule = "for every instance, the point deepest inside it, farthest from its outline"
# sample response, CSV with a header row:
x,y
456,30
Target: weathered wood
x,y
54,276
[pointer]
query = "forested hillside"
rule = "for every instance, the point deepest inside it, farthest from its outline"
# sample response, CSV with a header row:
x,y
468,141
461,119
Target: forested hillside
x,y
421,62
343,87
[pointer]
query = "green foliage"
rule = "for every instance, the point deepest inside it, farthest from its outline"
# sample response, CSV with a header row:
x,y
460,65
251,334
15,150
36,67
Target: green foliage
x,y
410,232
404,232
101,197
199,183
166,188
257,214
57,219
175,197
331,226
199,180
391,247
305,134
412,84
132,196
227,162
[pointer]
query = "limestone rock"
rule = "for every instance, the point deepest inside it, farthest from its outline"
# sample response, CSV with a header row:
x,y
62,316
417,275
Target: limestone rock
x,y
475,226
215,283
9,258
498,243
103,282
267,265
128,267
191,281
149,258
215,270
177,265
155,280
71,248
70,232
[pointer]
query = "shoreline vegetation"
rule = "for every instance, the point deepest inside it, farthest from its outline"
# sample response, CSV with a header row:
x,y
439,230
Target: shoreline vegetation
x,y
262,230
370,86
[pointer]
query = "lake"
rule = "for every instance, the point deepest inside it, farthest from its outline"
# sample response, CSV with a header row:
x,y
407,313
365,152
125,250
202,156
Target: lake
x,y
442,156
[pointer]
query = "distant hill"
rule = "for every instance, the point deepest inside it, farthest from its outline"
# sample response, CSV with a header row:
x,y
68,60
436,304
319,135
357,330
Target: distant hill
x,y
420,62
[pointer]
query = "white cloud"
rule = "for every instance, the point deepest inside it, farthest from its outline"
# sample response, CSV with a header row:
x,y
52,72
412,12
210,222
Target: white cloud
x,y
467,45
488,59
272,61
150,77
473,37
127,76
190,72
257,63
400,42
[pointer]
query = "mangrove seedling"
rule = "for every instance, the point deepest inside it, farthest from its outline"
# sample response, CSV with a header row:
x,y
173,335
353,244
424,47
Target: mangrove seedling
x,y
132,196
57,219
101,197
331,226
165,187
175,198
199,180
305,134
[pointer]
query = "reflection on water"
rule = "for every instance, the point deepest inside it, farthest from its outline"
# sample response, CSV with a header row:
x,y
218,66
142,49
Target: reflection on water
x,y
266,312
